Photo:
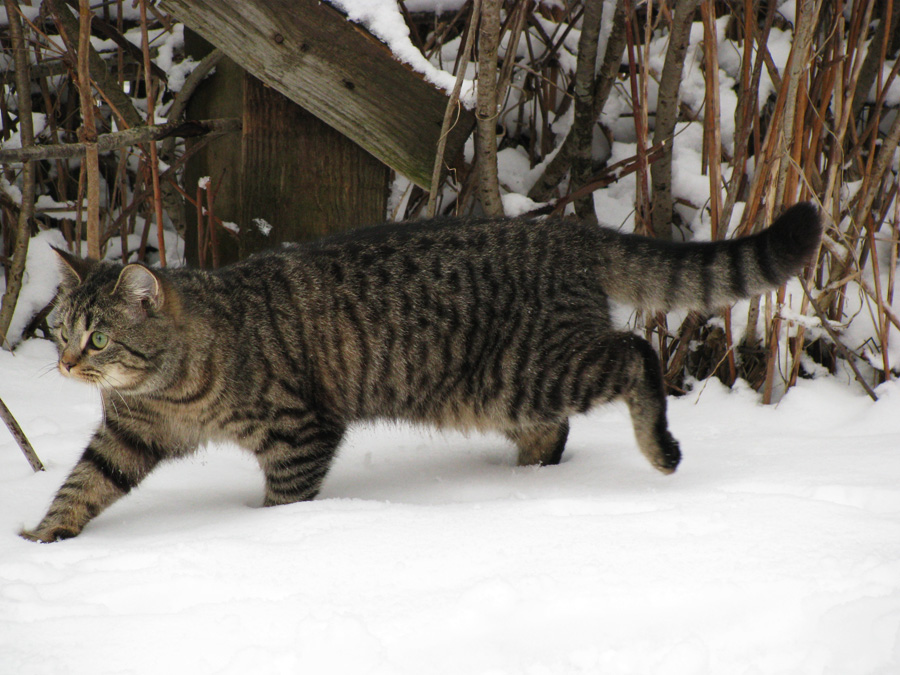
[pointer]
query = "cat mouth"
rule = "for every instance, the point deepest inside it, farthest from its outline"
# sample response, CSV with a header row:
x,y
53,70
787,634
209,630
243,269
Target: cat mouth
x,y
76,372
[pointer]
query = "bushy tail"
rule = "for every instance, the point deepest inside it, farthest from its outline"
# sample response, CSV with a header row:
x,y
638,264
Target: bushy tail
x,y
659,275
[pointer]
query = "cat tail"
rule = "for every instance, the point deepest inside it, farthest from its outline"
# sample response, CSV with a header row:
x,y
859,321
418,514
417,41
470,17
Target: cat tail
x,y
661,275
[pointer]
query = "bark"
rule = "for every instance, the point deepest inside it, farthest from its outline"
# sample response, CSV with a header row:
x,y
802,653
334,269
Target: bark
x,y
582,133
486,110
16,269
151,119
712,122
666,116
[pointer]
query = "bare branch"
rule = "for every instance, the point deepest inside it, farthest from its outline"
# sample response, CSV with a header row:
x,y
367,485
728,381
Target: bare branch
x,y
151,119
615,48
451,112
106,83
13,426
123,139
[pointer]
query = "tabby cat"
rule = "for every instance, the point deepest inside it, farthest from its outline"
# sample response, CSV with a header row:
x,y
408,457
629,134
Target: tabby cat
x,y
467,323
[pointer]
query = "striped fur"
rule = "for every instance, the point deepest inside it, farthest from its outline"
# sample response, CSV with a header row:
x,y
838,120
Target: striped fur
x,y
498,325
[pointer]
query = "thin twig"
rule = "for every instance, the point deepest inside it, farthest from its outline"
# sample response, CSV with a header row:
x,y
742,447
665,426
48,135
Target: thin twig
x,y
17,432
151,119
452,110
837,342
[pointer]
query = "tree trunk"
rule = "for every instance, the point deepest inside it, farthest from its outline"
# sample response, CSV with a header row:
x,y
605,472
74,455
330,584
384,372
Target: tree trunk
x,y
16,270
486,124
582,133
556,169
88,131
666,116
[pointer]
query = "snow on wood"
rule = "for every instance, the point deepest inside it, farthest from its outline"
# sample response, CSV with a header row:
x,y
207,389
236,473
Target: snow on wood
x,y
312,54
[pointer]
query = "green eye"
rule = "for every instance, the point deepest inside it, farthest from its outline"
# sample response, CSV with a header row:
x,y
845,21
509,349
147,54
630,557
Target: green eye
x,y
99,340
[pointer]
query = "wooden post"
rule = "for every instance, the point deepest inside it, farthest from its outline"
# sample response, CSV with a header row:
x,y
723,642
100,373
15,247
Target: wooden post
x,y
287,169
301,177
221,92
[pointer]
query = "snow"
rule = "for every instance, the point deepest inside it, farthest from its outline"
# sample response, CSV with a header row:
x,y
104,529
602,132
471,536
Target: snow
x,y
264,227
515,204
39,126
774,549
384,20
38,282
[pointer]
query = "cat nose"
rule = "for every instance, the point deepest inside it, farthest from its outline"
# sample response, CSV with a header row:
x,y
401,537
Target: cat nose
x,y
67,362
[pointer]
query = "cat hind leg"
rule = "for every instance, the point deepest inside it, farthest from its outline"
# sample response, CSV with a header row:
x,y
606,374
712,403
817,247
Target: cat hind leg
x,y
540,444
647,404
624,366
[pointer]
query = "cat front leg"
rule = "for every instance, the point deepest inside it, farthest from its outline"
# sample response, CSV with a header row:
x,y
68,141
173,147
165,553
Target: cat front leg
x,y
295,459
113,463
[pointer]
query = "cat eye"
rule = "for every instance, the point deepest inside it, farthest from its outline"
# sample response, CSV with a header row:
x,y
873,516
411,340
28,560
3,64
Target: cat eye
x,y
99,340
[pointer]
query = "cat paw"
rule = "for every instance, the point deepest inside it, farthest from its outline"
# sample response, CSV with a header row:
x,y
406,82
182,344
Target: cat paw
x,y
47,535
669,456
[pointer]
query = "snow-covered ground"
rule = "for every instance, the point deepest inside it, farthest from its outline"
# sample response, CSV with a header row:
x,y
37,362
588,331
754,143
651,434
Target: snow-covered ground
x,y
774,549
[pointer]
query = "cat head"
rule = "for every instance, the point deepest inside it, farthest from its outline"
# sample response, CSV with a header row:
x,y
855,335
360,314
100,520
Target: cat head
x,y
112,324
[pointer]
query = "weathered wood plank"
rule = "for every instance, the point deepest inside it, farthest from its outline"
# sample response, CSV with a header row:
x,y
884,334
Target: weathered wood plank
x,y
313,55
323,183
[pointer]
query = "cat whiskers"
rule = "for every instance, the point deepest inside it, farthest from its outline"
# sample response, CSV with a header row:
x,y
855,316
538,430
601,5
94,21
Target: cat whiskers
x,y
49,368
111,387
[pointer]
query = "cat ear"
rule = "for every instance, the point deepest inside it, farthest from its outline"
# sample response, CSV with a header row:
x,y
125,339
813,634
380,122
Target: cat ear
x,y
72,270
139,285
